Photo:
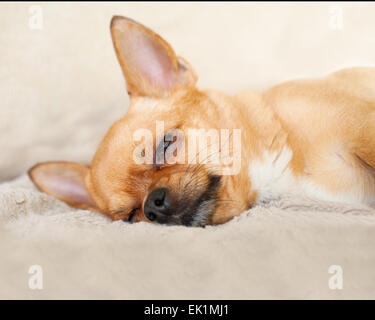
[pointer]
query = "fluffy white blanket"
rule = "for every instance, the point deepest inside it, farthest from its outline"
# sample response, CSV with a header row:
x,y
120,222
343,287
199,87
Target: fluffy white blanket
x,y
283,250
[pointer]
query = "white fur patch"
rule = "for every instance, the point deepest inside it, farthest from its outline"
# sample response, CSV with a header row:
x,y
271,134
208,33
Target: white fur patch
x,y
272,177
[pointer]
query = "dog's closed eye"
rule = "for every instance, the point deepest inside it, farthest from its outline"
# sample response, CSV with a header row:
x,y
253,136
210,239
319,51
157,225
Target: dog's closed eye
x,y
161,150
131,215
124,214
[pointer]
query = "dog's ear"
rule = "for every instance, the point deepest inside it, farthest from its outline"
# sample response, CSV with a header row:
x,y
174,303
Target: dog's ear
x,y
150,66
64,181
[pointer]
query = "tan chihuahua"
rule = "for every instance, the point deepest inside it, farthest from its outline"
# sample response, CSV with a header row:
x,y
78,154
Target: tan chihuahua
x,y
314,138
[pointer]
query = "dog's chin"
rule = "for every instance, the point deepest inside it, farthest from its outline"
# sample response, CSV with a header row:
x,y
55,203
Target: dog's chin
x,y
200,210
202,216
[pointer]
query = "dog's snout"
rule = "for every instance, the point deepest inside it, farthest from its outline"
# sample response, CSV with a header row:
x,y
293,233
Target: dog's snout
x,y
158,205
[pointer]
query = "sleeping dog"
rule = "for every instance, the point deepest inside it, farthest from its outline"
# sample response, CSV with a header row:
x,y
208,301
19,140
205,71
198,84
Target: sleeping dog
x,y
314,138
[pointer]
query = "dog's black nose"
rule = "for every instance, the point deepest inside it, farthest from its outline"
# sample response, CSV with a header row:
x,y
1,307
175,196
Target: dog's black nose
x,y
157,206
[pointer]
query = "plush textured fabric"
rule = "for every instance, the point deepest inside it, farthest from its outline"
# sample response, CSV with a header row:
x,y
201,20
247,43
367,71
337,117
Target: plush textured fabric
x,y
61,88
282,250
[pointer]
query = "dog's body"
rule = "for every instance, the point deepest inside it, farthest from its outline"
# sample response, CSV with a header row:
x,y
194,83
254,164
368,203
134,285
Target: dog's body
x,y
306,137
329,127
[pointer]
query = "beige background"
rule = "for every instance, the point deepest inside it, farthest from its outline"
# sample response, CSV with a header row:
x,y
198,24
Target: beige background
x,y
61,87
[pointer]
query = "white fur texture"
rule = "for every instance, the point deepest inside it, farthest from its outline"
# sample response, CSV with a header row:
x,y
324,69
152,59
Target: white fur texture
x,y
271,176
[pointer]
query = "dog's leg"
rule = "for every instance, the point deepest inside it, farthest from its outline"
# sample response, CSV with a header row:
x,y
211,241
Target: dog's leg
x,y
363,146
360,129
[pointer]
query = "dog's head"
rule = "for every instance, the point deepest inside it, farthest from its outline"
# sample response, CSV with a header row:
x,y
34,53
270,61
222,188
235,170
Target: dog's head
x,y
148,167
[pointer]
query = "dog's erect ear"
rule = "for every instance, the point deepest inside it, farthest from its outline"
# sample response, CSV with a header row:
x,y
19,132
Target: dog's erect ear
x,y
150,66
64,181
